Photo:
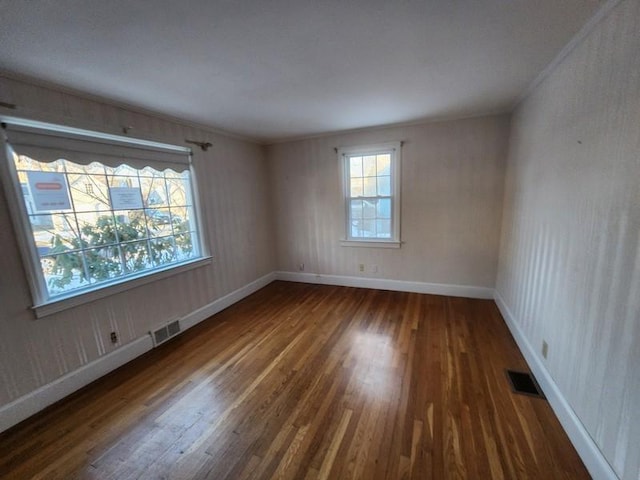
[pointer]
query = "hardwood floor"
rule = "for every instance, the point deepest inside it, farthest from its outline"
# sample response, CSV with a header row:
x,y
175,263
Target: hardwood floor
x,y
308,382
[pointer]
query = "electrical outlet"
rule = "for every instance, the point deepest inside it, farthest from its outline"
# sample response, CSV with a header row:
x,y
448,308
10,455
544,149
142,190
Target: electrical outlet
x,y
361,267
545,348
374,268
301,267
114,337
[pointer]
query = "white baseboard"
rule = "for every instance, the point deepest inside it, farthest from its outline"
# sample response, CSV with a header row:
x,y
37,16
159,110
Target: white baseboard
x,y
27,405
220,304
467,291
589,452
13,413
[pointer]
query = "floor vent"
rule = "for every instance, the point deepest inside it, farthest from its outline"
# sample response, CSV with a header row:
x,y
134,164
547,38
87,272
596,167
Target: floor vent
x,y
524,383
165,332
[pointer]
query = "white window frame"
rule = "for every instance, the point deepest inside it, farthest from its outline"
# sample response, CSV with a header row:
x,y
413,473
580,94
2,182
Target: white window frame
x,y
43,304
344,154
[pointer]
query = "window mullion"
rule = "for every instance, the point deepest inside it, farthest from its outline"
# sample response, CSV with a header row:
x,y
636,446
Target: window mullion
x,y
379,197
85,267
116,231
171,222
146,225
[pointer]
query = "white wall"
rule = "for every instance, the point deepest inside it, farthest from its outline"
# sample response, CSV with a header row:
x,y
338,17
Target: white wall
x,y
232,178
452,189
569,267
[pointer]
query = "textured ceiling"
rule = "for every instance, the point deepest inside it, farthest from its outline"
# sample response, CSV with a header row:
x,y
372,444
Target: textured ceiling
x,y
285,68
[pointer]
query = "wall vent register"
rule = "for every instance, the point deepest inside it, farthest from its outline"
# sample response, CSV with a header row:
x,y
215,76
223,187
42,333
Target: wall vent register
x,y
165,332
524,383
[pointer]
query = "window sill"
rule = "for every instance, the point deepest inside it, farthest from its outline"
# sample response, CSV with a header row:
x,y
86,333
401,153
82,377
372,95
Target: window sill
x,y
371,243
65,303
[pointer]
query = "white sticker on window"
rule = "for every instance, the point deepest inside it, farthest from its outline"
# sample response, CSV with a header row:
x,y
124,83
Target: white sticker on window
x,y
125,198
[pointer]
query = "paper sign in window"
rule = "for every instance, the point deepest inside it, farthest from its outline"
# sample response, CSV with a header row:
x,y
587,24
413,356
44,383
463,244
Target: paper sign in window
x,y
49,191
125,198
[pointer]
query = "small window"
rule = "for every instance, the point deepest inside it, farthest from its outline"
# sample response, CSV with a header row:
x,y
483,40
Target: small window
x,y
371,185
95,212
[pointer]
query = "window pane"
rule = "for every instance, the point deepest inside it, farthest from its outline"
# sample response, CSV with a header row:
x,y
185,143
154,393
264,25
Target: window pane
x,y
384,164
368,228
54,233
159,222
355,217
356,187
96,168
97,229
383,228
384,208
384,186
154,191
356,209
41,222
136,256
163,250
170,174
178,189
131,225
181,220
103,264
369,166
124,181
125,170
43,230
64,272
150,172
370,187
368,209
25,163
355,228
355,166
184,246
69,167
89,192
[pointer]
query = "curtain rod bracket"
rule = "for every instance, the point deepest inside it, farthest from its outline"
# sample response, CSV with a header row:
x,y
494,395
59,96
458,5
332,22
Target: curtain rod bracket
x,y
203,145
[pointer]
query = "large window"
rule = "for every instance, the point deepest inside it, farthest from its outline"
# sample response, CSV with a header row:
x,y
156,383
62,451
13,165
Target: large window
x,y
371,183
95,212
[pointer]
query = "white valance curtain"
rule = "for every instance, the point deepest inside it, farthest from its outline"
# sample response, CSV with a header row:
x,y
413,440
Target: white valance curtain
x,y
82,147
